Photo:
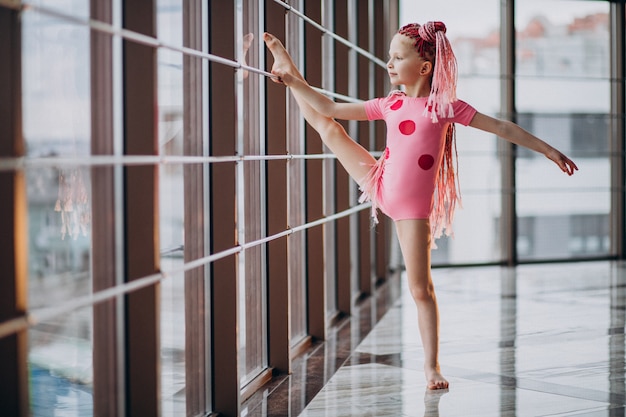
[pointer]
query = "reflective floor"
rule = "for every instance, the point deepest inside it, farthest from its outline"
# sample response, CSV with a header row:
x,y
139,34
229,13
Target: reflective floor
x,y
536,340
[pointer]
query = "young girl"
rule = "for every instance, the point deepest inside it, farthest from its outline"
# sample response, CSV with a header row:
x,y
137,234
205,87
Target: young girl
x,y
414,181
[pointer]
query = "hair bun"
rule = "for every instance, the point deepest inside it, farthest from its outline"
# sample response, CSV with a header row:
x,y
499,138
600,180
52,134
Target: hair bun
x,y
428,31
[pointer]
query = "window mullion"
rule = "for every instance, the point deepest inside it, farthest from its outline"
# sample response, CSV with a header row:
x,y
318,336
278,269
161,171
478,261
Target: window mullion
x,y
506,150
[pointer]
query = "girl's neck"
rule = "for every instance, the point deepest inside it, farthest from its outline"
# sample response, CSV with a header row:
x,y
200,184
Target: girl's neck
x,y
417,90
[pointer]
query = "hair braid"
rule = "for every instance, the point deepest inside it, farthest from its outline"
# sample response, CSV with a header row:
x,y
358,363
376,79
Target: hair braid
x,y
447,190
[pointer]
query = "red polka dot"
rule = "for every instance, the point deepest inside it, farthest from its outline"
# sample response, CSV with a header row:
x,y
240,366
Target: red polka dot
x,y
426,162
407,127
396,105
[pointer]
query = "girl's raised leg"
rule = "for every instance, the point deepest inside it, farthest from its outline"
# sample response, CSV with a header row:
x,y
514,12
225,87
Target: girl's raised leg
x,y
415,239
356,160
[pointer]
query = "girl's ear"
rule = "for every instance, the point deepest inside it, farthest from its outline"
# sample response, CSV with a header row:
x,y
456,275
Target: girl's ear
x,y
426,68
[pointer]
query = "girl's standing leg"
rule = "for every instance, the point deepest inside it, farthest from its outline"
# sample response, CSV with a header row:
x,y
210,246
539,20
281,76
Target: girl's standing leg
x,y
414,237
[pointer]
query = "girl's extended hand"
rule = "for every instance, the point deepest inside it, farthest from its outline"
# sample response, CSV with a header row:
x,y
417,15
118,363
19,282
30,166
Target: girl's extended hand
x,y
567,165
283,77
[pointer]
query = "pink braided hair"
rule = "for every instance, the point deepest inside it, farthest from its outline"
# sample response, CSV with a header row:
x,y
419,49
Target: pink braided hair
x,y
431,44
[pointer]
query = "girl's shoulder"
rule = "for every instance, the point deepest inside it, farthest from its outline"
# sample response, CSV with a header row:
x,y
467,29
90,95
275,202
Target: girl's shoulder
x,y
385,101
380,107
459,103
463,112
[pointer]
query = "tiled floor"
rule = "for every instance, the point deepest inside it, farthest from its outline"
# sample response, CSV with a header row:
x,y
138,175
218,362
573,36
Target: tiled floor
x,y
536,340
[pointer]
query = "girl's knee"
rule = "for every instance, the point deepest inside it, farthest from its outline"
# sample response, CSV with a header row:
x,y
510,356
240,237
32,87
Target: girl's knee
x,y
422,292
325,126
330,128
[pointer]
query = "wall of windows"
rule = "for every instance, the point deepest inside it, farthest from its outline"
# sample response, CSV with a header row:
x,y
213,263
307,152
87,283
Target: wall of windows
x,y
173,233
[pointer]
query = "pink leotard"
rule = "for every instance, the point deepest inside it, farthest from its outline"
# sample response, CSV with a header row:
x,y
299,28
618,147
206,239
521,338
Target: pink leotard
x,y
406,177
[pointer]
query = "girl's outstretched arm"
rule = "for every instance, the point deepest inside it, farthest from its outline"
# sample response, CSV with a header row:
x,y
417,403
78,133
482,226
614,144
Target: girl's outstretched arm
x,y
515,134
288,74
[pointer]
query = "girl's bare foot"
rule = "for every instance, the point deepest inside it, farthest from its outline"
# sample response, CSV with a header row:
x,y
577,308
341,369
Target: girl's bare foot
x,y
283,67
434,378
247,43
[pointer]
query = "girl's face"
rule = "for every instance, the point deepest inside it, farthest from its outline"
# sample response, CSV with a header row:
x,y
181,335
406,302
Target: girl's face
x,y
405,66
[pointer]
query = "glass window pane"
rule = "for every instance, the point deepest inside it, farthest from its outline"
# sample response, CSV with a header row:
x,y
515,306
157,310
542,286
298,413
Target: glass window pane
x,y
57,122
563,96
473,29
251,183
55,85
296,190
171,208
173,398
78,8
60,365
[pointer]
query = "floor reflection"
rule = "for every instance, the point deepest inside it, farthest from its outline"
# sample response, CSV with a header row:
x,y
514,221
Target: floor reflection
x,y
431,402
508,334
617,362
536,340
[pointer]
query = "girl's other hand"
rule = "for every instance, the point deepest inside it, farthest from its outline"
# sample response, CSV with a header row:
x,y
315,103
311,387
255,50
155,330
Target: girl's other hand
x,y
567,165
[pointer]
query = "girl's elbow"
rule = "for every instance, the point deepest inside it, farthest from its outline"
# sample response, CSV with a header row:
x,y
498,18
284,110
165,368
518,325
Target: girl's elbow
x,y
506,128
